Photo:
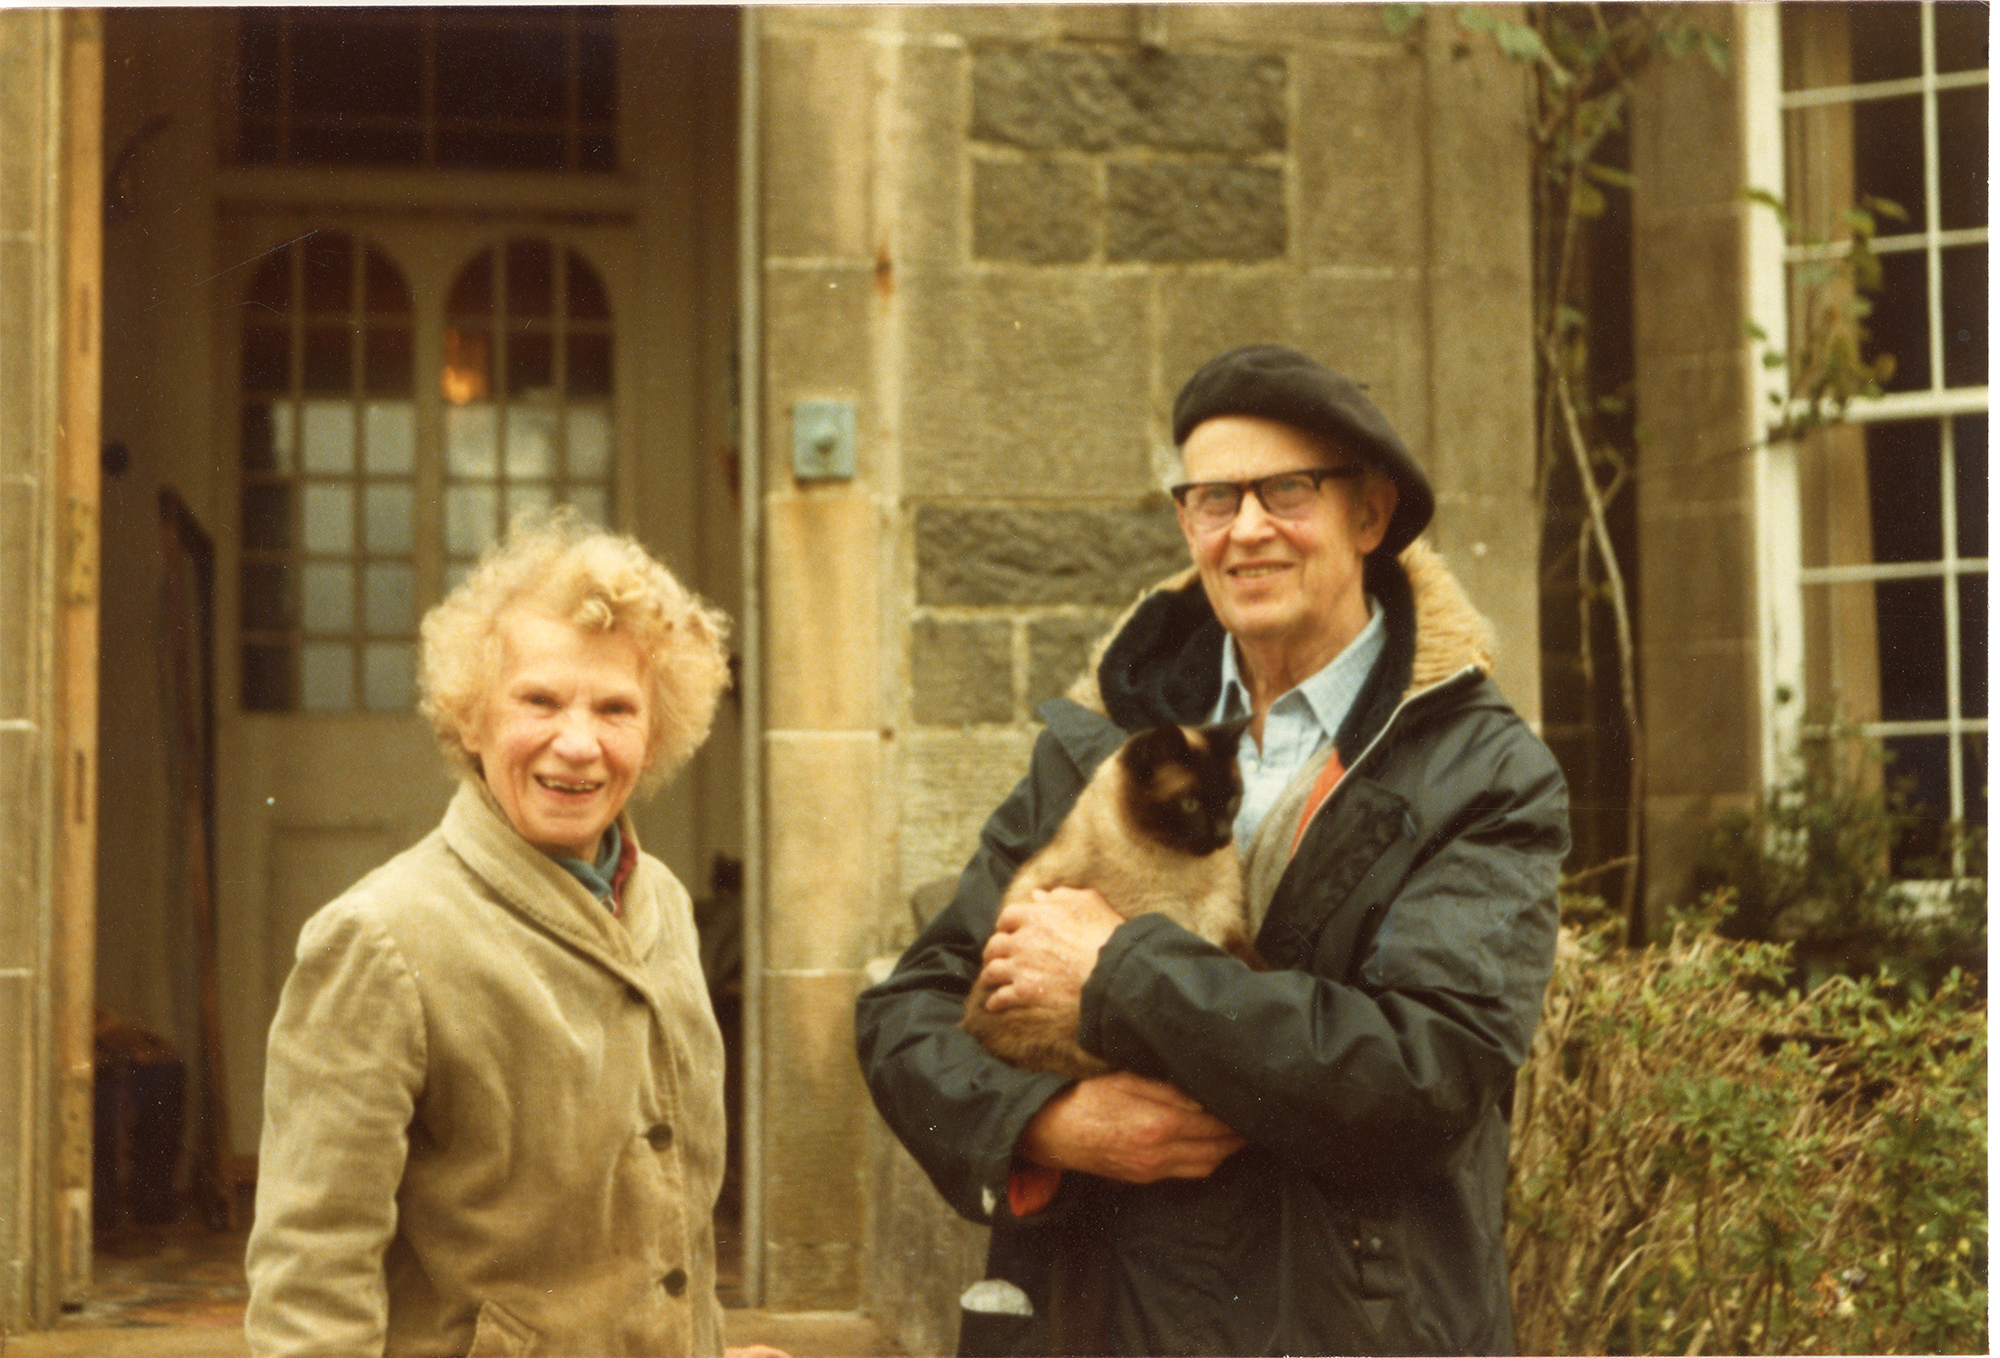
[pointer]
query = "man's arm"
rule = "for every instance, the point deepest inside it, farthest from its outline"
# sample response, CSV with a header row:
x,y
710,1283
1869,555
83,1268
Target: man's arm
x,y
344,1066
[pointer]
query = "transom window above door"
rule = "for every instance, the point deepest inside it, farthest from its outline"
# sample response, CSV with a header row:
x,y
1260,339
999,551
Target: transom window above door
x,y
512,88
366,492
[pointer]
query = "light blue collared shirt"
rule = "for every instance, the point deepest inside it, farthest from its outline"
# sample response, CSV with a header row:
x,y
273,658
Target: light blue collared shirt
x,y
1299,722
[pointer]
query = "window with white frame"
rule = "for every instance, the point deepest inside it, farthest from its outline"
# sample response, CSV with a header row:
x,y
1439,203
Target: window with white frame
x,y
1888,101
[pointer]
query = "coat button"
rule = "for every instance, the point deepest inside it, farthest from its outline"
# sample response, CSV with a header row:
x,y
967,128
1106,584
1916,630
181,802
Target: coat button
x,y
659,1136
675,1282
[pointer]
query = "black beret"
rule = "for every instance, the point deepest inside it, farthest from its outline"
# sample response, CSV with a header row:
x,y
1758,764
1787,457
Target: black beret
x,y
1283,384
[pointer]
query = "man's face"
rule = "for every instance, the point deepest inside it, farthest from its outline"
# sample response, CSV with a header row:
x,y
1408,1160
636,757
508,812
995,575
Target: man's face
x,y
1293,585
561,739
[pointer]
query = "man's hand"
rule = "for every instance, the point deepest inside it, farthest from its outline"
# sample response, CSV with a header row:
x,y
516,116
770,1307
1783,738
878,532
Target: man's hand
x,y
1043,949
1125,1126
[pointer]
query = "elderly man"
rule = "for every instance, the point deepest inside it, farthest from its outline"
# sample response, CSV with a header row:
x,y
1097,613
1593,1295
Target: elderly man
x,y
1304,1159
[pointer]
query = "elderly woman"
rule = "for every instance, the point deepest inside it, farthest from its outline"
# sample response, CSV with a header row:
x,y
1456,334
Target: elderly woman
x,y
493,1115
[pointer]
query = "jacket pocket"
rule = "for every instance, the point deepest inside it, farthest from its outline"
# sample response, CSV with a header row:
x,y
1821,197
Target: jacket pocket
x,y
499,1334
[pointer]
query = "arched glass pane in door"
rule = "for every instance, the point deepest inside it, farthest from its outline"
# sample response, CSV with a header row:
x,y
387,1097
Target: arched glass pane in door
x,y
527,385
327,607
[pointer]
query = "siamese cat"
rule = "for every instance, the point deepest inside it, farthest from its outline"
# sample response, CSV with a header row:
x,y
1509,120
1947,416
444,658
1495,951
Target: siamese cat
x,y
1150,832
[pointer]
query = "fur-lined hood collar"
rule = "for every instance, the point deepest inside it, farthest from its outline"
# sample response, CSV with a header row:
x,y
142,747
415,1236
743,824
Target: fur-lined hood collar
x,y
1448,635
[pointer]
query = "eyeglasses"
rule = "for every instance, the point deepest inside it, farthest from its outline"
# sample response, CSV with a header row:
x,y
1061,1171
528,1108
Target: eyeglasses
x,y
1284,495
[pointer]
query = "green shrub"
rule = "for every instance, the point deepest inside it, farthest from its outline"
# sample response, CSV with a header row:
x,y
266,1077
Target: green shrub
x,y
1707,1161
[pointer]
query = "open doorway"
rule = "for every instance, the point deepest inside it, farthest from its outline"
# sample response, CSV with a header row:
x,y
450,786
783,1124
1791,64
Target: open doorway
x,y
374,278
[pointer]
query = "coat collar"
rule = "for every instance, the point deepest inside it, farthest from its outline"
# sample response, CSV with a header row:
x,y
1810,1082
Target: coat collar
x,y
534,885
1161,662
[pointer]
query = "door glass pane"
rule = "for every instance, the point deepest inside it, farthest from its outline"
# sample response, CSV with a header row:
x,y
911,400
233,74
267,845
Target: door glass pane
x,y
525,496
389,438
531,442
329,598
589,442
470,516
326,677
390,601
328,434
593,504
329,518
471,442
389,676
389,510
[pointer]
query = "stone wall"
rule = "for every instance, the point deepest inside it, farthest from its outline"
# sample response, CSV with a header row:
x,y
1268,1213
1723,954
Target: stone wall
x,y
1007,235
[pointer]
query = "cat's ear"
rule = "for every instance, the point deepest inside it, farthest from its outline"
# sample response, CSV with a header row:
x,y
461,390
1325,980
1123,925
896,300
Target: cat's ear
x,y
1151,748
1223,737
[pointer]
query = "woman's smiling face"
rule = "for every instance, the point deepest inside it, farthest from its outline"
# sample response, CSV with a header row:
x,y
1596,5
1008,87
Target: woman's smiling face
x,y
561,739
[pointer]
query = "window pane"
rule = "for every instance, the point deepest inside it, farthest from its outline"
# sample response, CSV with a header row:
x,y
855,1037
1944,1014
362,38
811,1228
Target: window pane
x,y
329,359
328,270
328,428
481,150
329,518
1899,323
389,606
270,291
343,67
1961,157
1968,436
470,516
266,604
1889,155
1909,629
531,362
389,438
597,77
531,278
586,291
514,71
1918,774
326,677
531,442
267,516
471,442
329,598
1972,645
1965,316
468,366
389,531
267,359
589,443
589,365
1974,749
389,676
267,678
472,290
387,362
534,495
387,293
1886,42
1905,504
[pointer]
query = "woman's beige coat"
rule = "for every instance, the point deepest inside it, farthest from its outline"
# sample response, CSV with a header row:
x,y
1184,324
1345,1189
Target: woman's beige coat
x,y
492,1114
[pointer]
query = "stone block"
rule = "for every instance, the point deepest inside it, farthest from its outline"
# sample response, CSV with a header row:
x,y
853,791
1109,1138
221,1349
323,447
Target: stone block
x,y
825,846
1098,23
961,673
1174,212
816,336
1005,23
1063,98
950,783
23,616
1035,211
817,111
1704,724
1697,582
1059,651
1374,330
1481,438
815,1161
1670,318
24,321
1482,542
922,1254
1361,190
25,60
820,612
1698,421
1025,383
1291,26
931,95
1686,103
1021,557
1676,830
22,809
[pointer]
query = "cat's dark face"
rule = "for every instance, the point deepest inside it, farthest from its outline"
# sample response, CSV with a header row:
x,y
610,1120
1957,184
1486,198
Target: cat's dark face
x,y
1182,788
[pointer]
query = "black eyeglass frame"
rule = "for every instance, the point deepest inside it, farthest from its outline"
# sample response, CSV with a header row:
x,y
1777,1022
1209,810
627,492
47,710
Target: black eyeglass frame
x,y
1255,486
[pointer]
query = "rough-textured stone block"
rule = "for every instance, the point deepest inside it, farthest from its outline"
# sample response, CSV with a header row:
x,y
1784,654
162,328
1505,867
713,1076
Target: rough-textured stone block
x,y
1043,556
22,615
820,638
1173,212
1025,383
1059,650
1036,212
951,782
961,673
1044,99
21,865
923,1255
931,94
824,845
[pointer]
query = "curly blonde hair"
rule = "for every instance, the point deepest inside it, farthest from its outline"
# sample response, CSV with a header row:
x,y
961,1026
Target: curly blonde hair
x,y
559,565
